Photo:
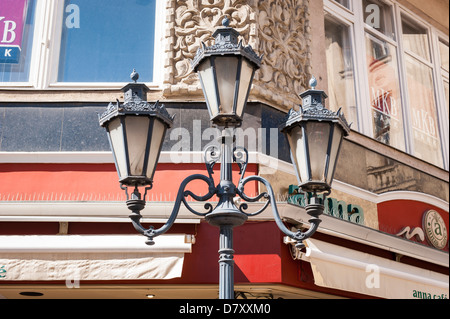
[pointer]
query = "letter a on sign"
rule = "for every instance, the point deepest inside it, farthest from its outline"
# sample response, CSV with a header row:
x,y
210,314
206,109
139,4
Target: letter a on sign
x,y
12,21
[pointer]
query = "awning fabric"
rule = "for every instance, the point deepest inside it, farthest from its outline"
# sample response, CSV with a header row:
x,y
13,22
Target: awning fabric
x,y
71,258
346,269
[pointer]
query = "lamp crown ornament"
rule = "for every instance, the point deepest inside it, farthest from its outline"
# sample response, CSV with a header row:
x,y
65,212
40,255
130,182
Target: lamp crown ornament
x,y
313,108
135,102
226,43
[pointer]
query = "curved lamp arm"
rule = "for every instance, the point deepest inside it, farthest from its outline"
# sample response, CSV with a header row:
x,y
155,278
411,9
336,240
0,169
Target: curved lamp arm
x,y
136,204
314,209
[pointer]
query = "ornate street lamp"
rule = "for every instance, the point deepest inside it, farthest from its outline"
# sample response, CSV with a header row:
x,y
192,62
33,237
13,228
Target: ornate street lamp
x,y
226,71
136,130
315,135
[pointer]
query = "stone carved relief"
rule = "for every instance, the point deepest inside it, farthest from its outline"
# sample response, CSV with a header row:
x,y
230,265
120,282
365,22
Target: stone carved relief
x,y
283,34
279,29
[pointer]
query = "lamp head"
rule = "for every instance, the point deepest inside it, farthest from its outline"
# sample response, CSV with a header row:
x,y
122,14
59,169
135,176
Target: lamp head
x,y
226,70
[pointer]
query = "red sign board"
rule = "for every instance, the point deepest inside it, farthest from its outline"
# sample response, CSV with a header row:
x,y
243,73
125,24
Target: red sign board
x,y
415,221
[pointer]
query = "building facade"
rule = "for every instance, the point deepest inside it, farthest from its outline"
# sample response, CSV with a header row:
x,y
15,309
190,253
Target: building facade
x,y
64,226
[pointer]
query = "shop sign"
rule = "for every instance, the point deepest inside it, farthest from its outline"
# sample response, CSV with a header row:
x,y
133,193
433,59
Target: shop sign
x,y
426,295
333,207
12,21
435,230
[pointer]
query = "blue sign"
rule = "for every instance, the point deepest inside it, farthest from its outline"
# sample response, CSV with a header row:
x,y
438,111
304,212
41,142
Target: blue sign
x,y
9,54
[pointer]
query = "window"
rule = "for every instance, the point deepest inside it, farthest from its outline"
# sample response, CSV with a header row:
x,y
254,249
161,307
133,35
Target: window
x,y
80,43
384,92
423,112
444,57
345,3
444,52
422,105
341,84
103,41
396,69
16,39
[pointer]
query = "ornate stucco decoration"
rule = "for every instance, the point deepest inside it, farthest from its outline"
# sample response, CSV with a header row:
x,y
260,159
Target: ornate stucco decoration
x,y
278,29
284,39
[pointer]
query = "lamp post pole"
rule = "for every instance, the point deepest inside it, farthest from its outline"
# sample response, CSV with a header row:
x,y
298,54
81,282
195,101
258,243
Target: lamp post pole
x,y
226,216
226,251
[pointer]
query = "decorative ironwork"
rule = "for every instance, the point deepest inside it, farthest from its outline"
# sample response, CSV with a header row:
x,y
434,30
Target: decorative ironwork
x,y
240,157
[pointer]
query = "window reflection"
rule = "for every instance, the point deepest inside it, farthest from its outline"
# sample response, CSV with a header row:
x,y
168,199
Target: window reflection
x,y
384,92
345,3
446,97
444,53
415,39
109,42
423,112
341,85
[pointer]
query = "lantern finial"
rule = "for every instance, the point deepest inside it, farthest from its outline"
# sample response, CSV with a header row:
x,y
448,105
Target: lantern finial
x,y
134,76
226,22
313,82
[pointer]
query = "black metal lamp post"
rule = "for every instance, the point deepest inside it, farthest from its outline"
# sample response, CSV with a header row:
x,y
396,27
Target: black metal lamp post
x,y
136,130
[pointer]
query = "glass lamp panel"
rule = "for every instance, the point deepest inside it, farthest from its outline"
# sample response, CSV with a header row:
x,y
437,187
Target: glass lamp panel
x,y
158,133
338,134
137,133
318,135
299,157
116,138
226,71
206,74
244,86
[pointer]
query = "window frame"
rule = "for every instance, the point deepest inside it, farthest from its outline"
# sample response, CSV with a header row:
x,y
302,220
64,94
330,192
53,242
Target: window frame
x,y
355,19
350,26
441,76
49,16
432,64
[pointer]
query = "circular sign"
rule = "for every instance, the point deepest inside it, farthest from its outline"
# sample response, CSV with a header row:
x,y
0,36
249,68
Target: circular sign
x,y
435,229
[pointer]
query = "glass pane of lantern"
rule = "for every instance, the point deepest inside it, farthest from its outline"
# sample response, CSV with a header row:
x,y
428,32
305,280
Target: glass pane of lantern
x,y
206,74
115,129
244,85
336,144
296,143
158,133
318,135
137,134
226,68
